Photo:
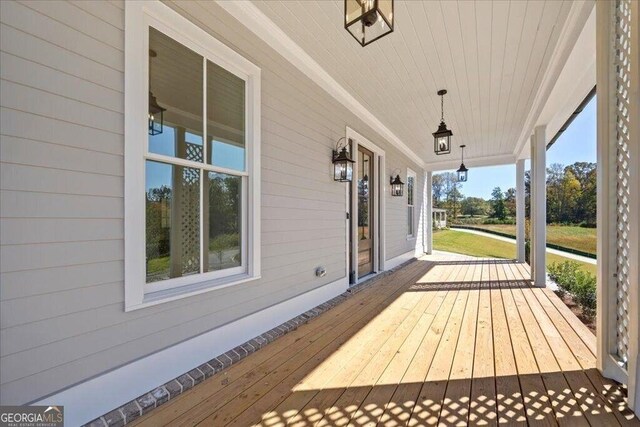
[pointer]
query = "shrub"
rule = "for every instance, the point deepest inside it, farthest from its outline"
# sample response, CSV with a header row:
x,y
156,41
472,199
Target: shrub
x,y
586,224
468,221
496,221
581,285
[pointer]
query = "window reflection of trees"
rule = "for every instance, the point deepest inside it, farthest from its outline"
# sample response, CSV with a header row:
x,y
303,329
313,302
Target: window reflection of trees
x,y
224,221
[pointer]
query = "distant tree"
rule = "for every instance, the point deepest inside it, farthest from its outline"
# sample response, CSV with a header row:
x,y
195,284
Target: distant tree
x,y
555,175
584,210
454,197
571,192
447,187
452,194
498,209
474,206
581,171
437,184
588,200
510,201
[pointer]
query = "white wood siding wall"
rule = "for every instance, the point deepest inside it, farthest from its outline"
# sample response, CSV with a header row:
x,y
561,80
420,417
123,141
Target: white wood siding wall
x,y
61,206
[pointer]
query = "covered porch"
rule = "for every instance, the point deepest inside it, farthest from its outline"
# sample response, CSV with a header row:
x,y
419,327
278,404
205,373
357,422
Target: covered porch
x,y
450,340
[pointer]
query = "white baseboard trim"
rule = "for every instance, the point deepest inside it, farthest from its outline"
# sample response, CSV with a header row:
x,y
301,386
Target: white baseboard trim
x,y
400,259
93,398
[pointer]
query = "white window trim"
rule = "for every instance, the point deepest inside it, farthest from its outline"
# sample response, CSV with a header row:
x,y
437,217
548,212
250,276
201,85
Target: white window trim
x,y
139,15
411,173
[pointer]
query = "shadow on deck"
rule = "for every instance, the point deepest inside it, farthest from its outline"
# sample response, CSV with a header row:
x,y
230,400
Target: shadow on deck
x,y
453,343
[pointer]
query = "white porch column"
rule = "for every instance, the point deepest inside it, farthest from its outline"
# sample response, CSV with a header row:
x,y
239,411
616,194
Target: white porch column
x,y
428,206
634,210
520,212
539,206
618,91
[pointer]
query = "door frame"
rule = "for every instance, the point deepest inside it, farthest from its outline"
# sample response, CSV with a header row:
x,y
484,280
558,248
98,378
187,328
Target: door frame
x,y
379,193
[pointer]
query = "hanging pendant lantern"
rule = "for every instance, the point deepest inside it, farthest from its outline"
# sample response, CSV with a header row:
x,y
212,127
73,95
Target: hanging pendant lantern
x,y
342,163
156,116
368,20
462,171
442,137
156,112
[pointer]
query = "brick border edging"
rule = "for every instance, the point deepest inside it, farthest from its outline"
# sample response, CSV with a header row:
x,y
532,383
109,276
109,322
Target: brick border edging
x,y
134,409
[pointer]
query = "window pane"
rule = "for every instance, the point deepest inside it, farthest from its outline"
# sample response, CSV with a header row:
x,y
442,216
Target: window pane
x,y
224,226
175,80
172,221
410,183
410,220
225,118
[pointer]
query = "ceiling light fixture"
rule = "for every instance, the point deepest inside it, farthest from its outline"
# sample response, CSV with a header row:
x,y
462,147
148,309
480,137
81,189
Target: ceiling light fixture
x,y
442,137
368,20
462,171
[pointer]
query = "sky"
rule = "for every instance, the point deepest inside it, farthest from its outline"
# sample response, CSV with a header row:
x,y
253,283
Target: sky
x,y
576,144
158,174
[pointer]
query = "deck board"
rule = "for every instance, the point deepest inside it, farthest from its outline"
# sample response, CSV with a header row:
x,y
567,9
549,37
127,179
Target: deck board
x,y
448,342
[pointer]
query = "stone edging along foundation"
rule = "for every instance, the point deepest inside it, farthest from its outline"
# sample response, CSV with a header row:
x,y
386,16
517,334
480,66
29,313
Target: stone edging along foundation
x,y
170,390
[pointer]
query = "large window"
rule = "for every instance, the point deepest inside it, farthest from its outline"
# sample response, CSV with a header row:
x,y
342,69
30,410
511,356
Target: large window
x,y
191,148
411,183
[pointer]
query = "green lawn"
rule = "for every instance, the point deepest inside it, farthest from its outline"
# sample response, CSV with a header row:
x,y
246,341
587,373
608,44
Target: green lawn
x,y
568,236
480,246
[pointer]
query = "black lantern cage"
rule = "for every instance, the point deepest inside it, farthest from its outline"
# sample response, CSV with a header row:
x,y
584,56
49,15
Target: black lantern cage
x,y
442,136
397,186
342,164
368,20
156,116
462,170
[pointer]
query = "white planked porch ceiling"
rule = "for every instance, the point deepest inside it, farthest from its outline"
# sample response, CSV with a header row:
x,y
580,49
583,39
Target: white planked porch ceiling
x,y
492,57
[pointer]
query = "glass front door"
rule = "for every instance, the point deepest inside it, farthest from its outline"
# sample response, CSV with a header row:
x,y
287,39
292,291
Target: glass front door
x,y
365,232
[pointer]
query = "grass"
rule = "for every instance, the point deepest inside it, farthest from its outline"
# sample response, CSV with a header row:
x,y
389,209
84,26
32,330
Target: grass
x,y
480,246
157,266
568,236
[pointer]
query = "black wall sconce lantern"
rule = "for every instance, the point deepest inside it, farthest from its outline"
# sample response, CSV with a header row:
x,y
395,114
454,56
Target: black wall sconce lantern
x,y
342,162
368,20
442,137
462,171
397,186
156,112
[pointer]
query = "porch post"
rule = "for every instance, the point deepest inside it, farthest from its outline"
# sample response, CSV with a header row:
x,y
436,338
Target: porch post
x,y
634,209
428,197
618,119
539,206
520,213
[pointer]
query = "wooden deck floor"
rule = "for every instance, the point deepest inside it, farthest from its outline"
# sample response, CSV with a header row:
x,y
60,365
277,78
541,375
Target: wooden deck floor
x,y
449,343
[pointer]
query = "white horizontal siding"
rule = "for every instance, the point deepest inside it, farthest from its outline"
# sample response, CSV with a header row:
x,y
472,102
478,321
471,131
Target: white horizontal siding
x,y
20,204
28,125
61,299
21,15
20,151
45,281
66,62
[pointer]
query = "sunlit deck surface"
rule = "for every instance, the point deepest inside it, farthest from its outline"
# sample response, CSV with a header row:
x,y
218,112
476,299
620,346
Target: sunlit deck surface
x,y
449,342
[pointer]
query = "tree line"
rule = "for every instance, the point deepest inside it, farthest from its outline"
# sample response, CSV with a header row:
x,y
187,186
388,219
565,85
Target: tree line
x,y
571,196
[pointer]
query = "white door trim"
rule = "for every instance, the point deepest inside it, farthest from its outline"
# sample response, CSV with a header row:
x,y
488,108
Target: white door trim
x,y
379,251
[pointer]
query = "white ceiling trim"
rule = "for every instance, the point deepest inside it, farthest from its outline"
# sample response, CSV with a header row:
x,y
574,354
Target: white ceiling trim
x,y
476,162
576,20
262,26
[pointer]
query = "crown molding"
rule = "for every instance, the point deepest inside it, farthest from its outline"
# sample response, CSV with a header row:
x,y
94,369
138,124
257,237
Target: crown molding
x,y
262,26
